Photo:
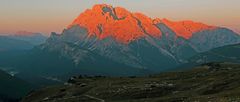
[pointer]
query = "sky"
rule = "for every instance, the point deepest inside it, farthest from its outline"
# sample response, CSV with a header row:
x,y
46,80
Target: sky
x,y
46,16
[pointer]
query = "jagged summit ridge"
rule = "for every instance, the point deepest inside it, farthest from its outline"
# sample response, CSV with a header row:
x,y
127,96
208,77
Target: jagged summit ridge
x,y
104,21
186,28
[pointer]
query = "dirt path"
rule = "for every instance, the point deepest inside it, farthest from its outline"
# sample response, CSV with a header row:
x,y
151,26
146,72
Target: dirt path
x,y
92,97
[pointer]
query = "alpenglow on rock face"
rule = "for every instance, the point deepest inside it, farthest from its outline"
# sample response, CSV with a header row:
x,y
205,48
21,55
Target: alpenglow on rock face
x,y
105,39
104,21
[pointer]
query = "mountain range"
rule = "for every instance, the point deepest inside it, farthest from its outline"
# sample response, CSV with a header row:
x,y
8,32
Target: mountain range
x,y
133,40
110,40
22,40
33,38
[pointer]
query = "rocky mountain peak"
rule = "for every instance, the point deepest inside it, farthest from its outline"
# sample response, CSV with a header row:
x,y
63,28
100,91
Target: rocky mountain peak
x,y
106,21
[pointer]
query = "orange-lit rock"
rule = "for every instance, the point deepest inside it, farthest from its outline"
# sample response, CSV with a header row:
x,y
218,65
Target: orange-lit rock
x,y
148,25
185,29
105,21
121,13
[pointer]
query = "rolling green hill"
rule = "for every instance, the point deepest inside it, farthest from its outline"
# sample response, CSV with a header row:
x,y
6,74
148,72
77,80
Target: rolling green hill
x,y
226,53
217,82
229,53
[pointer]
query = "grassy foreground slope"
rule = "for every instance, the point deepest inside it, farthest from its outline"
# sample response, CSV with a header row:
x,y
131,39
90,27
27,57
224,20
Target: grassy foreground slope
x,y
217,82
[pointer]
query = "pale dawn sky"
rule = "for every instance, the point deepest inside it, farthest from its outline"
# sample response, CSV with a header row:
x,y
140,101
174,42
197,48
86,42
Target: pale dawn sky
x,y
47,16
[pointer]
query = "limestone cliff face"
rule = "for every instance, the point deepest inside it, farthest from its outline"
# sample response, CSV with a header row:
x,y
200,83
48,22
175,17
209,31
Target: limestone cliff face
x,y
104,21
